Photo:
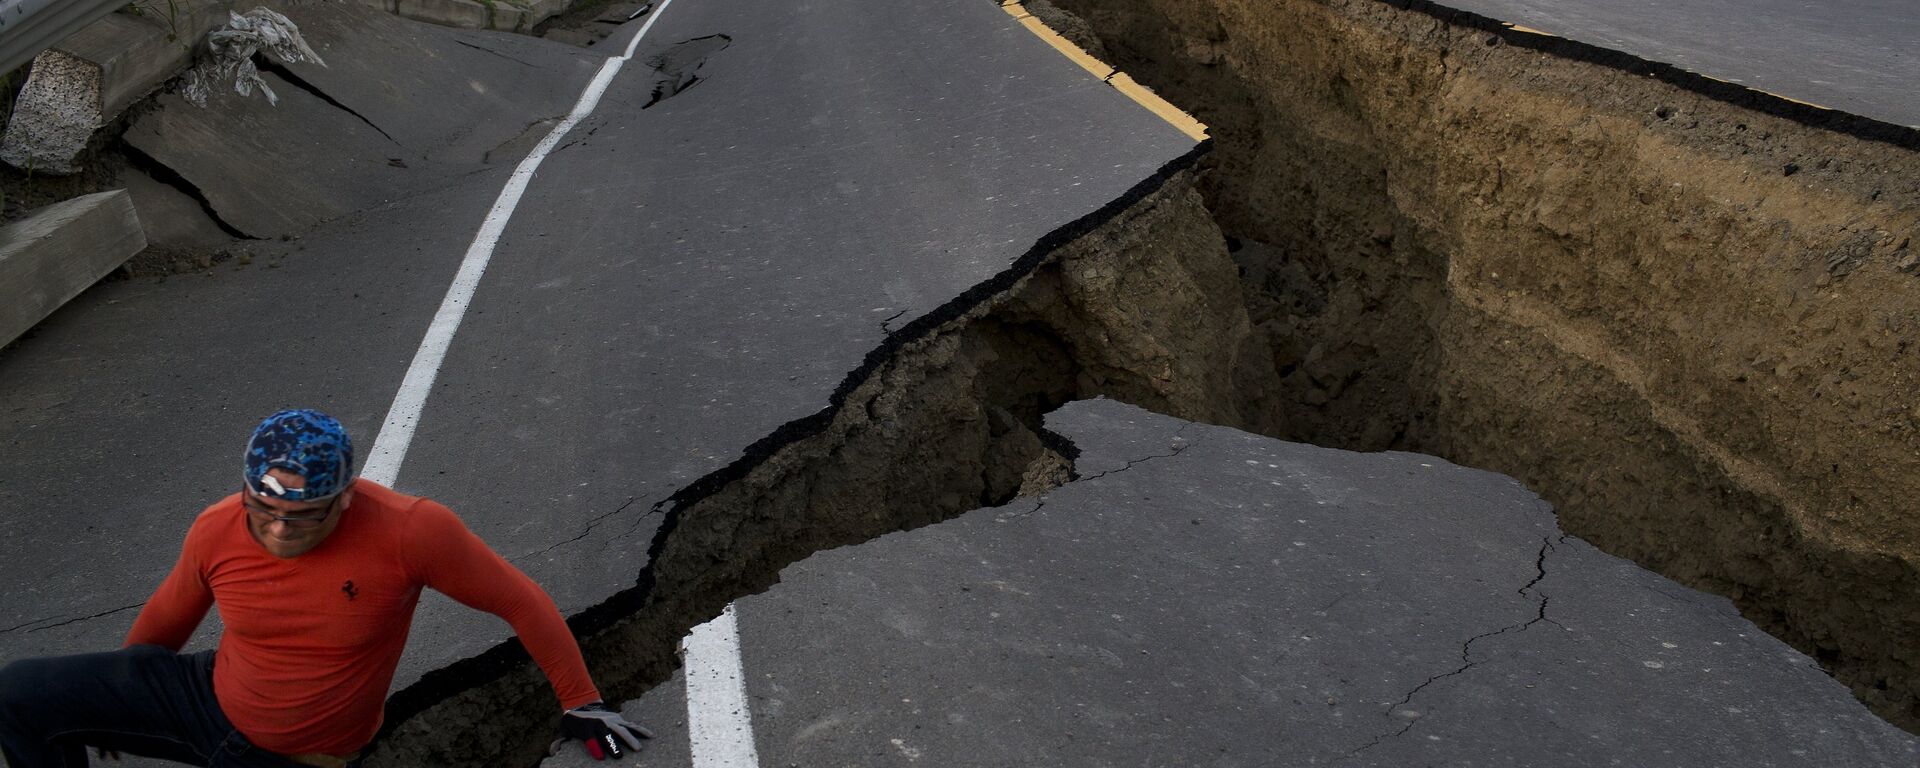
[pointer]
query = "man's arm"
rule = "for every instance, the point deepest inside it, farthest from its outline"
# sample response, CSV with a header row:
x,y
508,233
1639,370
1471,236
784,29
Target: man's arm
x,y
453,560
177,607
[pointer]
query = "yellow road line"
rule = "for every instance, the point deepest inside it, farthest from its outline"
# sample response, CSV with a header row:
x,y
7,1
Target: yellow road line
x,y
1121,82
1168,112
1779,96
1096,67
1796,101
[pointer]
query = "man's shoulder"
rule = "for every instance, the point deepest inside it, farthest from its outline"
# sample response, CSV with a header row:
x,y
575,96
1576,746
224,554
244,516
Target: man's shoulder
x,y
418,527
403,513
216,514
379,497
376,495
225,506
217,530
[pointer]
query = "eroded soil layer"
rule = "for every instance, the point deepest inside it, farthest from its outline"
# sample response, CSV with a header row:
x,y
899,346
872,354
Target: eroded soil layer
x,y
1139,301
1683,312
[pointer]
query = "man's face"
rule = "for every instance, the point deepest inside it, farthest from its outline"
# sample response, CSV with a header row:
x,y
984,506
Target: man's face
x,y
292,539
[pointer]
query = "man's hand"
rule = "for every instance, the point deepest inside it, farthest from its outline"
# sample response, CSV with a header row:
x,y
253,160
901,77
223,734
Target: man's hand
x,y
601,729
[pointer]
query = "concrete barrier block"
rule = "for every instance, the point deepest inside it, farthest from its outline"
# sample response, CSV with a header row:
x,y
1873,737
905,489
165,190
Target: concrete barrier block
x,y
541,10
503,15
134,55
55,115
88,79
508,17
54,254
453,13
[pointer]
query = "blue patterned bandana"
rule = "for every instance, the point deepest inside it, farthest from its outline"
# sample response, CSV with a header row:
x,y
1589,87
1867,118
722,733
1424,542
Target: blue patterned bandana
x,y
310,444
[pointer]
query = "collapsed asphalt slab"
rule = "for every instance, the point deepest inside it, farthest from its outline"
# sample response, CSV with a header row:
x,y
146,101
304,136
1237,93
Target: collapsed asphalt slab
x,y
257,175
1203,595
451,95
398,107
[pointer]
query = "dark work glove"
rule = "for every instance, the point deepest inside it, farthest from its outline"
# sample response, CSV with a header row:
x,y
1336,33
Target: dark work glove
x,y
602,730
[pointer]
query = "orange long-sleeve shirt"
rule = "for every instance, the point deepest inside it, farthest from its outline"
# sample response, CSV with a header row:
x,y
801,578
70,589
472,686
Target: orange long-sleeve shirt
x,y
311,642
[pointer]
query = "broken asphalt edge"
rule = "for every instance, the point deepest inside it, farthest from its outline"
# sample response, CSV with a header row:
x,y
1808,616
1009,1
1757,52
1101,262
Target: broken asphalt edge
x,y
1735,94
1179,118
441,684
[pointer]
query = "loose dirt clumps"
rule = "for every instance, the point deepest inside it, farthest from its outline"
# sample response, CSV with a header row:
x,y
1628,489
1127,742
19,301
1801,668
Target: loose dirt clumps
x,y
1688,323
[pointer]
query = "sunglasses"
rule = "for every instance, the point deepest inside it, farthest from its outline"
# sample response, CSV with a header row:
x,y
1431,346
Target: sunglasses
x,y
265,516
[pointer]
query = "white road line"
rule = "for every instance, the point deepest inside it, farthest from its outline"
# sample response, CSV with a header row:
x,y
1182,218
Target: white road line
x,y
721,728
396,433
718,722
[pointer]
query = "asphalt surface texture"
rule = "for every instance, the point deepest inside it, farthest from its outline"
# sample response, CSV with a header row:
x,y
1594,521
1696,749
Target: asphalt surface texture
x,y
1203,596
762,196
1861,56
766,192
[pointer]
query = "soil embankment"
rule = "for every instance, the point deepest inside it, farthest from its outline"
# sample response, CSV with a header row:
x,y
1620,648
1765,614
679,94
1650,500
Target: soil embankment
x,y
1685,317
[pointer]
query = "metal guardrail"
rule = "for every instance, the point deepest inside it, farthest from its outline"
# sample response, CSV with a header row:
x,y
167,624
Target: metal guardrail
x,y
28,27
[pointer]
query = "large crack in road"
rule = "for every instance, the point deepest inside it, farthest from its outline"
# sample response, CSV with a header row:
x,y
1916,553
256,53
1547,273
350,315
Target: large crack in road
x,y
1681,309
1361,297
1378,323
944,418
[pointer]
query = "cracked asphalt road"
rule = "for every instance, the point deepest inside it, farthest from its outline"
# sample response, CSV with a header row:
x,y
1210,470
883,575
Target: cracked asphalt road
x,y
682,281
677,283
1209,597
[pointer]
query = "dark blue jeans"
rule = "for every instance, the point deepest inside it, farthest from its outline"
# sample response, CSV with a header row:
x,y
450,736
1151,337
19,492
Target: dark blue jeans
x,y
144,700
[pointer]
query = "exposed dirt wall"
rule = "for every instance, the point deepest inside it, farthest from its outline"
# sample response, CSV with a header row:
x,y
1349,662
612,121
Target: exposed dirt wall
x,y
1687,323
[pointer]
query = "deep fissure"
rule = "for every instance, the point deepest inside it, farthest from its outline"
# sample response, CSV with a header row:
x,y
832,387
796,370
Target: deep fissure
x,y
944,418
1336,287
1609,278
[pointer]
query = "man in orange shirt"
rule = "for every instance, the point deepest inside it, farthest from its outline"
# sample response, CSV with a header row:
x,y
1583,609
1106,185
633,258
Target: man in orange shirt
x,y
316,574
